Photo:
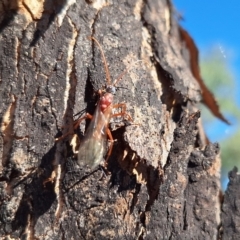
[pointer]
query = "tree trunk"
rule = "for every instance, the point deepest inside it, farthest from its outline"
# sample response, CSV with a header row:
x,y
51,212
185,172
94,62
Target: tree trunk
x,y
163,177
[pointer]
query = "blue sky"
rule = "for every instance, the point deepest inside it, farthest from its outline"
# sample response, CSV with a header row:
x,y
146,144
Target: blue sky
x,y
211,22
215,23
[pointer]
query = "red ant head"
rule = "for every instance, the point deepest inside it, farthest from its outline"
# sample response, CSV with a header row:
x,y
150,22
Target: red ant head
x,y
110,89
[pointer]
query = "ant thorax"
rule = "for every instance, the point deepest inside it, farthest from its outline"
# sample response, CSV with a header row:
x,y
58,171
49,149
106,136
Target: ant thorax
x,y
105,101
107,98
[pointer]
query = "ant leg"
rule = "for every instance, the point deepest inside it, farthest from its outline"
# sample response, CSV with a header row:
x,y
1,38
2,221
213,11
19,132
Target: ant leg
x,y
123,113
110,147
75,125
77,122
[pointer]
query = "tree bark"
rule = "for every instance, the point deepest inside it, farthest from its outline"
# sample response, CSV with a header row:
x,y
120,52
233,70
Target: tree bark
x,y
163,180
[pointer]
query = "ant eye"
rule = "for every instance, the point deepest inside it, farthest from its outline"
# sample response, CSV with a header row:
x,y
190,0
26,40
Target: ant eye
x,y
111,89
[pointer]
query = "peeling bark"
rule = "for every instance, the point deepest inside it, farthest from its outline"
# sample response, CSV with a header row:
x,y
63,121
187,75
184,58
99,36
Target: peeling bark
x,y
163,180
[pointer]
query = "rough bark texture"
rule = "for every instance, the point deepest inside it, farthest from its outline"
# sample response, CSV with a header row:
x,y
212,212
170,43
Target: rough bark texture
x,y
163,180
231,208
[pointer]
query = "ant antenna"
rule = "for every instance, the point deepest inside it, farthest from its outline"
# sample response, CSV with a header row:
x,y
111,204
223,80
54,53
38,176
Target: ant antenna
x,y
122,74
121,87
80,113
103,59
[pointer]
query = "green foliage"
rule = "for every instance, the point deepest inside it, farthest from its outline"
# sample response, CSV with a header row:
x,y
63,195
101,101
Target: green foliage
x,y
230,152
220,79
